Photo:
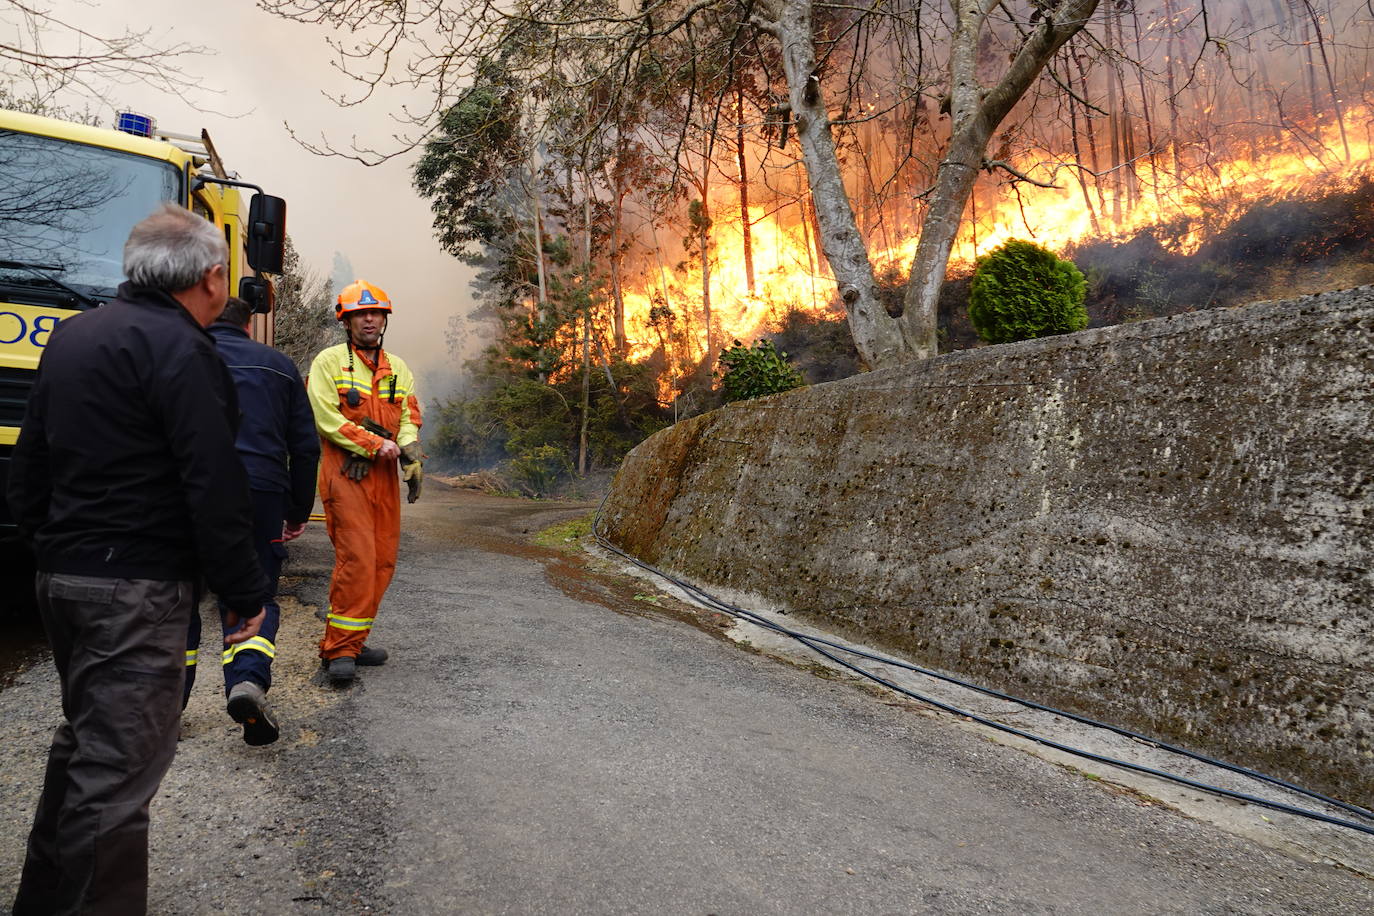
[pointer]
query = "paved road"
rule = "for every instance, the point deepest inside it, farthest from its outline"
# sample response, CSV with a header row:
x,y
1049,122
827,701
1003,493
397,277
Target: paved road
x,y
544,742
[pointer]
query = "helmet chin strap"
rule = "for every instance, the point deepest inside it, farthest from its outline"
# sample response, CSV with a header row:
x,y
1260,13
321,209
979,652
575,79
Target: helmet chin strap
x,y
354,399
348,334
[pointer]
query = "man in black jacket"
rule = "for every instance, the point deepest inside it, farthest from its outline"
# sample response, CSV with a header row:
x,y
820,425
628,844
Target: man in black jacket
x,y
281,452
126,482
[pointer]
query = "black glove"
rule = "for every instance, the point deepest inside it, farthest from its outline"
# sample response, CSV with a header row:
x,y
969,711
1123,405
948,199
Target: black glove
x,y
355,467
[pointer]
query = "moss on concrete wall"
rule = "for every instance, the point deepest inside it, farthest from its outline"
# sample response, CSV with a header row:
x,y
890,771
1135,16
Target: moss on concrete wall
x,y
1167,524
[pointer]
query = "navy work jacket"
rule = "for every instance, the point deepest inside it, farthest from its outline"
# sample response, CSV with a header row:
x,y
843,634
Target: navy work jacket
x,y
277,439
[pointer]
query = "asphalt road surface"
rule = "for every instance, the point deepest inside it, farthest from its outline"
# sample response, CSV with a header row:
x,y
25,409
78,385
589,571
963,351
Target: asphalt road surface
x,y
544,739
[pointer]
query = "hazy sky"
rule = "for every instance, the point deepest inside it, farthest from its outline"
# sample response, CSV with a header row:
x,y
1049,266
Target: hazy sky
x,y
266,72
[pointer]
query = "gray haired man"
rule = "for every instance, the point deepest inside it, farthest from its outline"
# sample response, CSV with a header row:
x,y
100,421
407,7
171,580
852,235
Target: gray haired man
x,y
126,482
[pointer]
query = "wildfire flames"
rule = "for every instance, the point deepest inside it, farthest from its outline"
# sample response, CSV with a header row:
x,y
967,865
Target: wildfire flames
x,y
1194,194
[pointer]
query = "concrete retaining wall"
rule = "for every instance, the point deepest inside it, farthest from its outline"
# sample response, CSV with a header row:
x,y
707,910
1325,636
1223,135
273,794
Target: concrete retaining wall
x,y
1167,525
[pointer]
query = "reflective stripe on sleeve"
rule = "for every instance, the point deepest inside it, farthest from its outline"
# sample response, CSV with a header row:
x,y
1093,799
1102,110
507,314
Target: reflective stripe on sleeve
x,y
192,656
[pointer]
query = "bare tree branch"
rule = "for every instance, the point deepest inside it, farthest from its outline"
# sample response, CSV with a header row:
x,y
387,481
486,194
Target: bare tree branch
x,y
56,58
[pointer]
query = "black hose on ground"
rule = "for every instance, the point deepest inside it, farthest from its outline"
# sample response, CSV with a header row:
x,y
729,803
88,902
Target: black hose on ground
x,y
816,644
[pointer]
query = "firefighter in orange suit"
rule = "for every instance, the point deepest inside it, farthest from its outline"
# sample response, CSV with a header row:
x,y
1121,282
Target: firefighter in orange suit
x,y
369,421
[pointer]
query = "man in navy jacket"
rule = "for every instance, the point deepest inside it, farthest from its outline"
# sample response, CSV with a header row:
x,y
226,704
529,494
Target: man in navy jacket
x,y
281,453
125,481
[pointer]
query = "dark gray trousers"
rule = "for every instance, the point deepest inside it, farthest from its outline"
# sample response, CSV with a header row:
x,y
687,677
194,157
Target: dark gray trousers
x,y
120,649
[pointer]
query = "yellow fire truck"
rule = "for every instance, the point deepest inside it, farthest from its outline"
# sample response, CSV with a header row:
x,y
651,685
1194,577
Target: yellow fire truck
x,y
69,194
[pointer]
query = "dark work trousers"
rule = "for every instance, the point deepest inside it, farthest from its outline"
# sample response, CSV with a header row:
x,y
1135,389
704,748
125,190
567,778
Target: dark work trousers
x,y
251,660
117,644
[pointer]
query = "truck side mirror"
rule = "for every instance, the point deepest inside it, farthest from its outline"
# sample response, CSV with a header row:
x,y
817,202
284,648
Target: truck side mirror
x,y
258,293
266,233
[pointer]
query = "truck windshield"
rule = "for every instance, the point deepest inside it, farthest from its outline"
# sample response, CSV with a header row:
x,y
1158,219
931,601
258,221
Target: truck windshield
x,y
67,208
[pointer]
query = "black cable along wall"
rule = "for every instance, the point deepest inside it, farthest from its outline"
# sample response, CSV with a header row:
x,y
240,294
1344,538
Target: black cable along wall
x,y
1165,525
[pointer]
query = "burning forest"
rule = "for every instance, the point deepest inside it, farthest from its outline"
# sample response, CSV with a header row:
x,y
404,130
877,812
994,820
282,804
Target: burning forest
x,y
642,186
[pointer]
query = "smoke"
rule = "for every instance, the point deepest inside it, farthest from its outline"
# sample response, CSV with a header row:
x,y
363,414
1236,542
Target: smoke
x,y
342,274
264,74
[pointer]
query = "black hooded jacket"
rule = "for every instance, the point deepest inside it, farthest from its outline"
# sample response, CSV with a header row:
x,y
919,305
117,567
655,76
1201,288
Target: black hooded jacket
x,y
125,466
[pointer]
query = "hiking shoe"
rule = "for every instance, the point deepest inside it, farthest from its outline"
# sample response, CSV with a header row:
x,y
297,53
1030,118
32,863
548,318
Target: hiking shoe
x,y
341,671
248,706
371,657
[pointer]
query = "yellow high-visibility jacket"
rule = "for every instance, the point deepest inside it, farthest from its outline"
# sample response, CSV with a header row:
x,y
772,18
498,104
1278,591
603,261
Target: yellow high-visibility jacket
x,y
385,395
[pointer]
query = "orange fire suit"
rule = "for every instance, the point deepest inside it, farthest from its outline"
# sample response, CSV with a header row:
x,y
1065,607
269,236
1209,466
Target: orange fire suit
x,y
363,517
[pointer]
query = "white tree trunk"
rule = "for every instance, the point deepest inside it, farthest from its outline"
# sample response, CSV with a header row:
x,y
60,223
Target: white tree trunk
x,y
975,113
877,335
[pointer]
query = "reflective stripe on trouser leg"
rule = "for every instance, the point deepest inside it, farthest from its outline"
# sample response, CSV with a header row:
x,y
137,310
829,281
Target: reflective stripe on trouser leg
x,y
269,510
251,660
252,644
345,635
192,656
363,520
347,513
351,624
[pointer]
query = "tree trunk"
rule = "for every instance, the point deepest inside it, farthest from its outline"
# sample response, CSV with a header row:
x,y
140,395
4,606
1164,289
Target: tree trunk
x,y
1116,118
543,279
1146,101
954,182
877,335
539,249
704,244
622,346
1330,79
1170,60
1130,180
1114,121
812,255
583,459
610,383
664,341
1078,161
975,113
1088,129
813,224
746,226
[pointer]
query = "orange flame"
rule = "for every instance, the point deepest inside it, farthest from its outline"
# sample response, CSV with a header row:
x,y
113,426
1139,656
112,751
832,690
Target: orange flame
x,y
1205,196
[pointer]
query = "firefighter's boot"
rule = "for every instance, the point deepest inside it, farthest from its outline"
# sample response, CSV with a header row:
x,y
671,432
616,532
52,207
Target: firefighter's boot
x,y
248,706
341,670
371,657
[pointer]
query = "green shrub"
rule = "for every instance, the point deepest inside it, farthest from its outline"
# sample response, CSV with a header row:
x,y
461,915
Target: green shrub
x,y
508,418
752,372
1021,291
537,469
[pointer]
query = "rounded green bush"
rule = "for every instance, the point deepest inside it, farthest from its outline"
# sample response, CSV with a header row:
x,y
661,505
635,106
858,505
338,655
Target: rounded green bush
x,y
1020,291
752,372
